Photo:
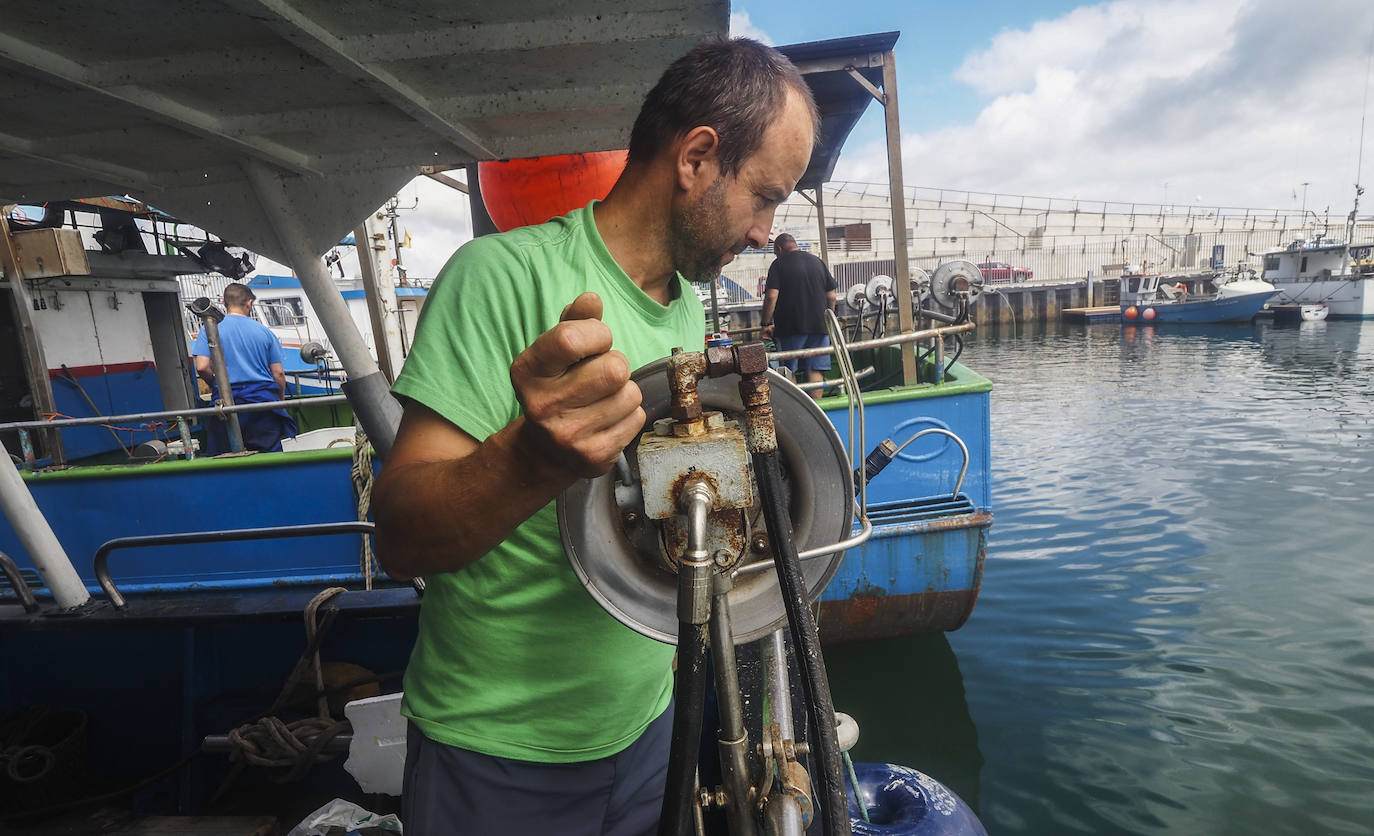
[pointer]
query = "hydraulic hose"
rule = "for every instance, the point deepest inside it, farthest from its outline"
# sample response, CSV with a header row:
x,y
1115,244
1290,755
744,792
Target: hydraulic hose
x,y
816,687
689,694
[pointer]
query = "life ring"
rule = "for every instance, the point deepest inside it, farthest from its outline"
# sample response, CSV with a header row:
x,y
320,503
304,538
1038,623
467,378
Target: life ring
x,y
904,802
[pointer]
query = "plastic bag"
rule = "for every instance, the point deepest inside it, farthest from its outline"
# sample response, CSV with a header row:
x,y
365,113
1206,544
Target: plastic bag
x,y
347,815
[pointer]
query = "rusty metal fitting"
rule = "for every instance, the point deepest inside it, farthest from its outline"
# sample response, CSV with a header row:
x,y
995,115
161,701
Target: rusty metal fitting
x,y
720,360
684,370
759,431
687,429
759,543
751,358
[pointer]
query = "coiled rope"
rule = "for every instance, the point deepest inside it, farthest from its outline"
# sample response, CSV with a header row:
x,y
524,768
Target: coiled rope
x,y
289,750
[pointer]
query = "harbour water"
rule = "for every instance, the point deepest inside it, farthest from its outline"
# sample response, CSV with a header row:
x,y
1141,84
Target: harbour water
x,y
1176,627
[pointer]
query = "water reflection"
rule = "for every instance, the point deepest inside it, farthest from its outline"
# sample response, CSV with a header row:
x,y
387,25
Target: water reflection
x,y
1176,628
907,696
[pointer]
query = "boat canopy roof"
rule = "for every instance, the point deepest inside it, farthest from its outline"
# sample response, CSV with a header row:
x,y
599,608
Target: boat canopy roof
x,y
346,99
166,100
840,98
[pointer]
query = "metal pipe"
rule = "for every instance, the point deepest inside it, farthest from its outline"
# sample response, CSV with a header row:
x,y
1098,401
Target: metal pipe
x,y
323,400
694,611
865,531
733,740
21,589
783,813
102,554
209,318
379,419
878,343
36,535
219,743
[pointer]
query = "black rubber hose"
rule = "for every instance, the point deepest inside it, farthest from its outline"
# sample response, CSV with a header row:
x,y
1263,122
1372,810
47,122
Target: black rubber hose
x,y
689,694
805,640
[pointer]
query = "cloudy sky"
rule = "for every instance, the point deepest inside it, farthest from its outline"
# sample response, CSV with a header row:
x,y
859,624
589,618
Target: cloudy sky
x,y
1209,102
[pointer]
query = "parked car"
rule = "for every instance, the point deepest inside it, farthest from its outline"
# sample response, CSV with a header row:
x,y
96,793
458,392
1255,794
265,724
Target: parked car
x,y
1000,271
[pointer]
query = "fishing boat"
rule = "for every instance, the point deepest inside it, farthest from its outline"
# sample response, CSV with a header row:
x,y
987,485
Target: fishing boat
x,y
1198,298
173,586
1323,275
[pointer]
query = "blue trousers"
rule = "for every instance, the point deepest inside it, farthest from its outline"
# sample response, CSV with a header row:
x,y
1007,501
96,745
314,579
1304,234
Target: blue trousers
x,y
456,792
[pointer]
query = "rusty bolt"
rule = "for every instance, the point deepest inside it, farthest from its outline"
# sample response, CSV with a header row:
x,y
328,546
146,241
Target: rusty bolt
x,y
723,558
759,543
629,517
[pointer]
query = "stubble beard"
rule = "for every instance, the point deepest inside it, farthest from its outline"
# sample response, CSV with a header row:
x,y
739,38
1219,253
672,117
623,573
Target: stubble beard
x,y
699,236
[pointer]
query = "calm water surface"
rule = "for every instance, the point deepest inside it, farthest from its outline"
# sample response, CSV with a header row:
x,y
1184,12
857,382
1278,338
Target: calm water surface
x,y
1176,627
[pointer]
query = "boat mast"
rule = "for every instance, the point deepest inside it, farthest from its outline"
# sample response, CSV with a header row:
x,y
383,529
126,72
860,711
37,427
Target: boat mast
x,y
1359,163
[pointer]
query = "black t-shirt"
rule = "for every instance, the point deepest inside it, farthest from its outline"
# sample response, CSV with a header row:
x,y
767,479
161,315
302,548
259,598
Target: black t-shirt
x,y
801,280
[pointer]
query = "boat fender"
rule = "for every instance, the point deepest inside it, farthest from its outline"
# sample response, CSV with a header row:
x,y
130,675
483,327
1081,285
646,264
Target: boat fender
x,y
904,802
1131,312
1148,314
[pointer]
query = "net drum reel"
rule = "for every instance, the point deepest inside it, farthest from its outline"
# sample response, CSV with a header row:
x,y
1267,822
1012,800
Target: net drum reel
x,y
624,556
956,282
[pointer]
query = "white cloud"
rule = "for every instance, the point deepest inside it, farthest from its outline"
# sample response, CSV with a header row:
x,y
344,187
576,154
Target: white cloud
x,y
1237,101
742,26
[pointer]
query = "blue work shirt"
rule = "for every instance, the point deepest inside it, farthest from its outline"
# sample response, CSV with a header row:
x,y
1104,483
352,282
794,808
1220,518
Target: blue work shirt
x,y
250,349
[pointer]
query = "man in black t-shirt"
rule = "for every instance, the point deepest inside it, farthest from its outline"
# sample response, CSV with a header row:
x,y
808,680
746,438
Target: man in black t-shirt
x,y
798,291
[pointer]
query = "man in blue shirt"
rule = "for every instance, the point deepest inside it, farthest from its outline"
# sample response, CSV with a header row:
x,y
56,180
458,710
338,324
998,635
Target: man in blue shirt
x,y
253,359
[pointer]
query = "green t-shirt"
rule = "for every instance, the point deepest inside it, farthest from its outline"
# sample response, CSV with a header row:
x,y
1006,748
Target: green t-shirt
x,y
514,658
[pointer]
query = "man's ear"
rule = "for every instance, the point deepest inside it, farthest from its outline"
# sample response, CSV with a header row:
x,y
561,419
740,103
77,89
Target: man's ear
x,y
697,158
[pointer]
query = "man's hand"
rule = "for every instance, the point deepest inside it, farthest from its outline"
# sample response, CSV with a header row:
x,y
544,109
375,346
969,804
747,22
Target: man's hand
x,y
581,408
766,333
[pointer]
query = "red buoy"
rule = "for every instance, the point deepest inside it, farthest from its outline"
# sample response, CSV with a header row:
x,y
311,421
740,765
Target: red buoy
x,y
534,189
1130,313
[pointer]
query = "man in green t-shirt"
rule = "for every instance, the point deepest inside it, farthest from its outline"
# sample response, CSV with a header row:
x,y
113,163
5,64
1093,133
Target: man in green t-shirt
x,y
531,709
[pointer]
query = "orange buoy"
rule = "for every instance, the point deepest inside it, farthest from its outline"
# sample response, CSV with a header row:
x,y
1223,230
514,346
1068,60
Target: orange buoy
x,y
1149,313
534,189
1130,313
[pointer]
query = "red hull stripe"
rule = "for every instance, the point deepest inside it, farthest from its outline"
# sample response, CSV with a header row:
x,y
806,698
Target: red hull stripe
x,y
98,370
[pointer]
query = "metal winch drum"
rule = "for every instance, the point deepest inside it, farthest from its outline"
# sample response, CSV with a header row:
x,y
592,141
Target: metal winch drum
x,y
625,558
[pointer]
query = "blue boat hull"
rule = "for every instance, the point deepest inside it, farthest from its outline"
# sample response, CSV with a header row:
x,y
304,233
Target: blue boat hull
x,y
1230,309
213,630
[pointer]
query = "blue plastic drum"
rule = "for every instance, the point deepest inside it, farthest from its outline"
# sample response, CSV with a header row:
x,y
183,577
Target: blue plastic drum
x,y
904,802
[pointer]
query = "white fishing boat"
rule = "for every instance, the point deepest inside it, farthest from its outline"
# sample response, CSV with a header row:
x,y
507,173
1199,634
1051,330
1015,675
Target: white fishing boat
x,y
1323,275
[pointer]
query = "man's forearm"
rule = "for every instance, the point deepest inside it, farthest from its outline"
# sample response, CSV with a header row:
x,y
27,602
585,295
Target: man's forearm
x,y
766,315
440,516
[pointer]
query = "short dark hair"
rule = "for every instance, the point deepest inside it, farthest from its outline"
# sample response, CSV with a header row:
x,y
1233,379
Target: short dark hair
x,y
735,86
783,238
237,295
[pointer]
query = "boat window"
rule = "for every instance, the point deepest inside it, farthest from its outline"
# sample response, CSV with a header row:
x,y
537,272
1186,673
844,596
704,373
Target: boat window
x,y
1133,286
1302,268
284,312
1271,262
